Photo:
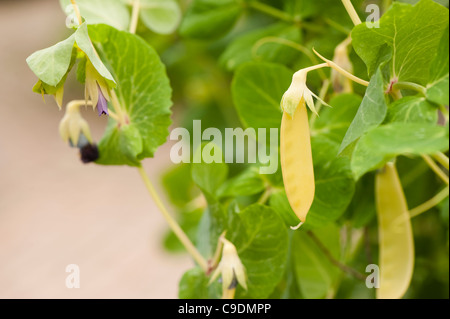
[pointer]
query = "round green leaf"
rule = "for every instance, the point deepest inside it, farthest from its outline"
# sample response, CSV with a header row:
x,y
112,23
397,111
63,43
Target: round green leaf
x,y
110,12
261,240
257,91
143,91
160,16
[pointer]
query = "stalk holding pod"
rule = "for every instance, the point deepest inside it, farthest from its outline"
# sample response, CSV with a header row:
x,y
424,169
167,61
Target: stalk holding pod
x,y
395,235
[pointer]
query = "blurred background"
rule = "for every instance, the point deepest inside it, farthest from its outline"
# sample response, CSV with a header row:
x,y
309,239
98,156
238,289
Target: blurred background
x,y
55,211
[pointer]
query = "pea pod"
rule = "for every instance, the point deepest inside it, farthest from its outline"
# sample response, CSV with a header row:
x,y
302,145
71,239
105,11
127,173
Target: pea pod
x,y
395,235
296,161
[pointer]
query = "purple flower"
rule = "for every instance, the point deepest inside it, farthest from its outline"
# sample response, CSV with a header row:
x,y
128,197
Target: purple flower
x,y
102,104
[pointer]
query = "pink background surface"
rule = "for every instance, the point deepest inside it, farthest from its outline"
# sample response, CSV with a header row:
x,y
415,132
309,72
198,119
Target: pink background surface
x,y
54,210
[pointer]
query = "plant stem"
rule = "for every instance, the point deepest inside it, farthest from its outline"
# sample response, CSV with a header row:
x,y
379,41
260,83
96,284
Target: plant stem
x,y
134,16
442,159
337,26
323,92
356,274
184,239
270,11
265,196
429,204
436,168
77,11
315,67
216,258
118,108
410,86
345,73
351,12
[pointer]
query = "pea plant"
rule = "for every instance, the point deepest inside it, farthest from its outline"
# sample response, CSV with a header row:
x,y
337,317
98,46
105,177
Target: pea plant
x,y
357,94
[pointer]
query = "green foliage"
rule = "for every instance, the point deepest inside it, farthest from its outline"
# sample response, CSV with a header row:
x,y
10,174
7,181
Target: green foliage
x,y
257,90
111,12
316,275
386,142
261,239
230,66
143,91
412,109
210,18
252,46
412,34
334,184
52,64
370,114
160,16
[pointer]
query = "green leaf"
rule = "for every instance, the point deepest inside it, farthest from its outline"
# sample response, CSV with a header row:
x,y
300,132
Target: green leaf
x,y
438,92
120,146
143,92
442,2
437,89
328,9
280,203
160,16
257,91
440,63
261,240
194,285
178,184
188,221
334,184
248,46
386,142
52,64
302,9
110,12
247,183
209,176
84,43
362,208
334,122
412,109
412,34
212,225
210,18
315,274
371,113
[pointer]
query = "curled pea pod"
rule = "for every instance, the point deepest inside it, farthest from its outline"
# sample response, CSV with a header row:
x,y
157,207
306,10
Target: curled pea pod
x,y
395,235
296,161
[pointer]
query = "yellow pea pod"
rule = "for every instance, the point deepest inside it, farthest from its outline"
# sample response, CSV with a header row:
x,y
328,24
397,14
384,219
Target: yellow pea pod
x,y
296,161
396,243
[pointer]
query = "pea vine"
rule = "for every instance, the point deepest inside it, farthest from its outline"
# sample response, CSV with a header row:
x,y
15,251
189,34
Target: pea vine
x,y
361,107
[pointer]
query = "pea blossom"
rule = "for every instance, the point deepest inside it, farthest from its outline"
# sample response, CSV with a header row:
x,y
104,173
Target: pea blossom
x,y
96,89
231,268
73,127
298,93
